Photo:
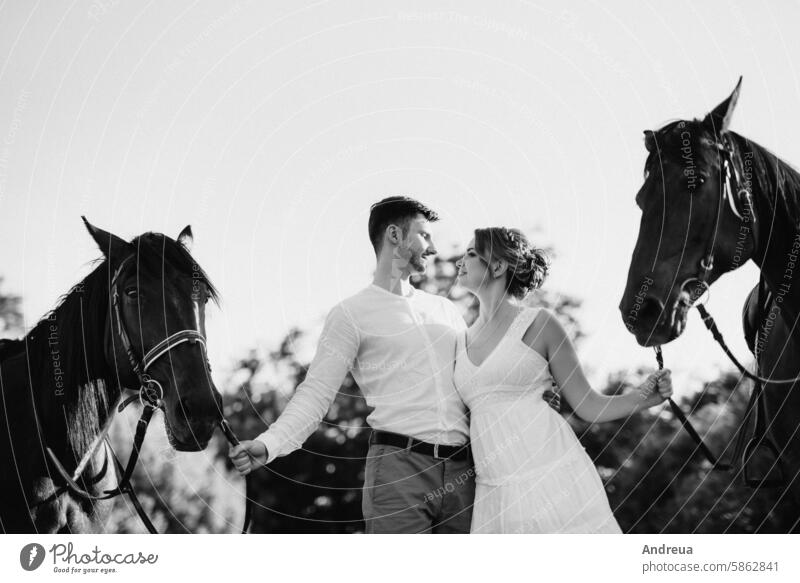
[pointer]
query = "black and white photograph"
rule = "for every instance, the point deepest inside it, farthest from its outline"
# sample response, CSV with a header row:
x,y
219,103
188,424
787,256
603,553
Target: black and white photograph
x,y
280,269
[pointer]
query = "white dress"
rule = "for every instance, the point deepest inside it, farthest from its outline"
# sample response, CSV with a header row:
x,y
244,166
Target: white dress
x,y
532,473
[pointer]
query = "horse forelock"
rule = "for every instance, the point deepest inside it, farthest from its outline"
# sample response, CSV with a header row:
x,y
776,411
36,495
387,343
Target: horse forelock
x,y
157,254
685,142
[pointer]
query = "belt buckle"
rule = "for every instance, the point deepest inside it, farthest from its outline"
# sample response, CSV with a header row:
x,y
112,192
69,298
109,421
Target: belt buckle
x,y
436,452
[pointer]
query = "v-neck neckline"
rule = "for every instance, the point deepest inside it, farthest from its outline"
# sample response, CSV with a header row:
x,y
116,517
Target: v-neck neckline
x,y
491,353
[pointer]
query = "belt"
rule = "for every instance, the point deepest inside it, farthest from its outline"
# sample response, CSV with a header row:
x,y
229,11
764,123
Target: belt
x,y
440,452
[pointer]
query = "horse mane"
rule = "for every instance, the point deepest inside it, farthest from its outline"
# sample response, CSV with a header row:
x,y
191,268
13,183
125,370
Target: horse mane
x,y
66,356
10,347
768,172
159,255
66,348
772,175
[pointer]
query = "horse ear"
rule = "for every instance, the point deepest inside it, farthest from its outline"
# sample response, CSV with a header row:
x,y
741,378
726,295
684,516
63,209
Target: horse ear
x,y
719,119
186,238
650,140
112,246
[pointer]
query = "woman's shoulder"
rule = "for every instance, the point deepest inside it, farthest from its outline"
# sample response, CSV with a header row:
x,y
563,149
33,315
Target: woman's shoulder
x,y
539,332
538,315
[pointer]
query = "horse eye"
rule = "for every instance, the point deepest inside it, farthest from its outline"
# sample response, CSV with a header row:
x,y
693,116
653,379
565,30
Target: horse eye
x,y
132,292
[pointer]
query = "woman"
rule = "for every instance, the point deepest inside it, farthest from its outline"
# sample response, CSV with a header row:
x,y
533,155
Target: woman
x,y
532,473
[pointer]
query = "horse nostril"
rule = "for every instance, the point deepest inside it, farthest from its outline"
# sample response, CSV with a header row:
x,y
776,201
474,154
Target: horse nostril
x,y
651,309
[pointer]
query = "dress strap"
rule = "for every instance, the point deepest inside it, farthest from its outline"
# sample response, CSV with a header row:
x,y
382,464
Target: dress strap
x,y
524,321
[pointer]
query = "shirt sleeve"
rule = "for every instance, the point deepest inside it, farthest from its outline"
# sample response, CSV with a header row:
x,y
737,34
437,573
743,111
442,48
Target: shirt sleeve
x,y
336,351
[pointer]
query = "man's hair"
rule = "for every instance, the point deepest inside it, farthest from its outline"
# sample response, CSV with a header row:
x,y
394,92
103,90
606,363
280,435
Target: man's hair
x,y
395,210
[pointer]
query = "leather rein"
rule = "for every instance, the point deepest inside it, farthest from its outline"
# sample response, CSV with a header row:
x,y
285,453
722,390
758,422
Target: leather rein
x,y
151,397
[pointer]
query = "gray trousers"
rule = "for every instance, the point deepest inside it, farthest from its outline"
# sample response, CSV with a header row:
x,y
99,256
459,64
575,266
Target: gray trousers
x,y
409,492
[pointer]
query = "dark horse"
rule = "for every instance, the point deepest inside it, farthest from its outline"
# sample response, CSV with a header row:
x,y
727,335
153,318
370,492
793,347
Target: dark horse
x,y
711,201
60,384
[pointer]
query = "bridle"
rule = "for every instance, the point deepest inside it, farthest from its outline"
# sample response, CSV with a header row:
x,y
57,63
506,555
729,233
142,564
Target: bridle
x,y
732,183
151,397
150,390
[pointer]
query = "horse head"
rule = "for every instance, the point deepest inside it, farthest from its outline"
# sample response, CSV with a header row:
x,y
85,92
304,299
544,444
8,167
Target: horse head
x,y
155,335
697,223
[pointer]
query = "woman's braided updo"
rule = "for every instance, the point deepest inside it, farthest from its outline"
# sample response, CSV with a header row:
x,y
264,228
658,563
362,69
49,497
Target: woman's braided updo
x,y
527,265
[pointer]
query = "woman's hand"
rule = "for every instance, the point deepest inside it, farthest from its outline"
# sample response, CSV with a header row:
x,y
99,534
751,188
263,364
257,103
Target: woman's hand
x,y
248,456
656,389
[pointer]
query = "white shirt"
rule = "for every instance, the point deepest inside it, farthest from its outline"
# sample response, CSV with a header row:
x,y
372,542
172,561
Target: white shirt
x,y
401,351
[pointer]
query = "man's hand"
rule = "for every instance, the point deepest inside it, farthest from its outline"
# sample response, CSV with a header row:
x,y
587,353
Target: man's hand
x,y
552,398
248,456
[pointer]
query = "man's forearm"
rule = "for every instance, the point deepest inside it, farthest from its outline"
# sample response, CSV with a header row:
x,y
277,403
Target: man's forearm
x,y
336,350
299,420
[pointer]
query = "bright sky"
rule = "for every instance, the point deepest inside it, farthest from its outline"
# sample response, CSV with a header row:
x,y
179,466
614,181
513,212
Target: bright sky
x,y
271,128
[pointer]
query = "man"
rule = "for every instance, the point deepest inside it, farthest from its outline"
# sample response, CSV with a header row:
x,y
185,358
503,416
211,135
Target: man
x,y
399,344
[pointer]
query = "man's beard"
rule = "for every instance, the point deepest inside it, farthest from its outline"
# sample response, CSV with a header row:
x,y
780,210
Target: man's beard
x,y
417,262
